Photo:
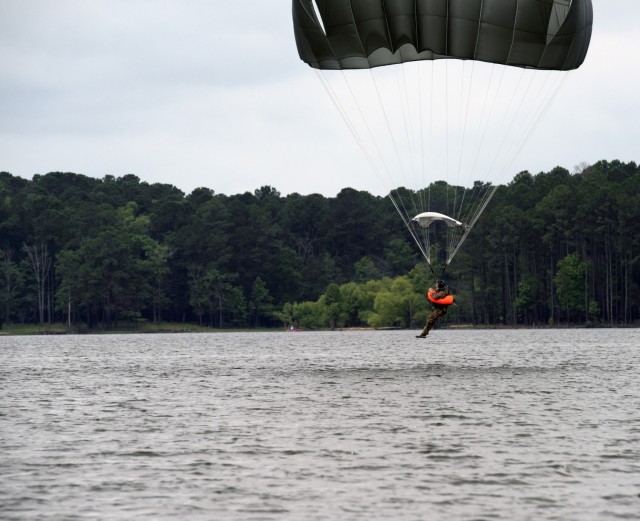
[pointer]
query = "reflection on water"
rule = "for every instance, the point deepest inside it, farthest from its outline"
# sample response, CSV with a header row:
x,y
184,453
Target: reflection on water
x,y
526,424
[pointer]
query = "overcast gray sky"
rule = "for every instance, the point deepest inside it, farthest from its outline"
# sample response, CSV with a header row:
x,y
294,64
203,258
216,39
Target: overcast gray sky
x,y
212,93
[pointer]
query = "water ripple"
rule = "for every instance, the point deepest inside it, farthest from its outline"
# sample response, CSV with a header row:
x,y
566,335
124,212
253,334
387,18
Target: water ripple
x,y
354,425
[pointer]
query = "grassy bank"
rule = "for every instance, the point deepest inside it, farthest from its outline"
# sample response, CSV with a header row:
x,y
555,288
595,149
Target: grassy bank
x,y
144,327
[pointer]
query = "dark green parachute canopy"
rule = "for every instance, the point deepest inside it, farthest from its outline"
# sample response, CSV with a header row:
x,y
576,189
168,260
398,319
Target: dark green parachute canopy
x,y
360,34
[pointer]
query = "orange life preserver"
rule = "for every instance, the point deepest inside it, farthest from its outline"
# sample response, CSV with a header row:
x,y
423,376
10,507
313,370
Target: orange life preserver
x,y
447,300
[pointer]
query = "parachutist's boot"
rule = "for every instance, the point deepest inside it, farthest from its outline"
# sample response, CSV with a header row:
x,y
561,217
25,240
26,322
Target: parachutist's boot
x,y
423,333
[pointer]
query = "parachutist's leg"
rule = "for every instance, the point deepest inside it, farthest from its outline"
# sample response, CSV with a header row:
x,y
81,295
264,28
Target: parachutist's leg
x,y
431,321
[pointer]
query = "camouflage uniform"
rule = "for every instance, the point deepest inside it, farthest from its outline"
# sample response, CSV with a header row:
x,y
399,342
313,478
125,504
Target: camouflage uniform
x,y
439,311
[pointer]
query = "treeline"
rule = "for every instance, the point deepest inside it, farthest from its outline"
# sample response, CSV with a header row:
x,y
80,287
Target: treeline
x,y
551,248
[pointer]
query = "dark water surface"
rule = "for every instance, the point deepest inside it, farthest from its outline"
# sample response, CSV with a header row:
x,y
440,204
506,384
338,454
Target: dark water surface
x,y
467,425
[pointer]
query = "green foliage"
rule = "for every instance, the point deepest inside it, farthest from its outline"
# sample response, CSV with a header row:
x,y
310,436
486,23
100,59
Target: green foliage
x,y
394,304
400,256
366,269
570,281
310,315
287,315
552,247
108,276
377,303
12,279
260,304
526,298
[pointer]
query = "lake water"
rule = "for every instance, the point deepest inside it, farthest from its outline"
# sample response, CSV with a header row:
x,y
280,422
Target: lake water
x,y
465,425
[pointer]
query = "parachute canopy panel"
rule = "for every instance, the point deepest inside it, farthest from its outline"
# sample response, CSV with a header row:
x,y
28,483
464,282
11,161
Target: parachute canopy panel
x,y
425,219
361,34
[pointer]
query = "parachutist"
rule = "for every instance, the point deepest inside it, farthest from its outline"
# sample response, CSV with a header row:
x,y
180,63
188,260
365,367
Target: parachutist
x,y
441,300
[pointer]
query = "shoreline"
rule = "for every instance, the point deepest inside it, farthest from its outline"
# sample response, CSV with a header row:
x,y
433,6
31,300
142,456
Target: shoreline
x,y
172,328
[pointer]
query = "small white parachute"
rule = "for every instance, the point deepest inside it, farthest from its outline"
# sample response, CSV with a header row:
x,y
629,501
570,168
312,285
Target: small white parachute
x,y
426,218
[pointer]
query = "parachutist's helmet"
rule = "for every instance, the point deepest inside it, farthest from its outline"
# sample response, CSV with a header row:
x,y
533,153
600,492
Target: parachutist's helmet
x,y
440,283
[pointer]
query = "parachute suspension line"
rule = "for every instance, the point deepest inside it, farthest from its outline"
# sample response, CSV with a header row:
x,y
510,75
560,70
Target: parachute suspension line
x,y
489,194
399,203
473,222
464,131
422,188
478,196
431,137
516,141
452,211
425,251
485,193
475,194
537,111
418,168
483,128
482,194
513,118
421,236
396,200
343,113
374,142
405,215
406,116
504,119
421,120
464,218
446,121
481,197
430,142
386,120
372,138
348,122
406,111
454,233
